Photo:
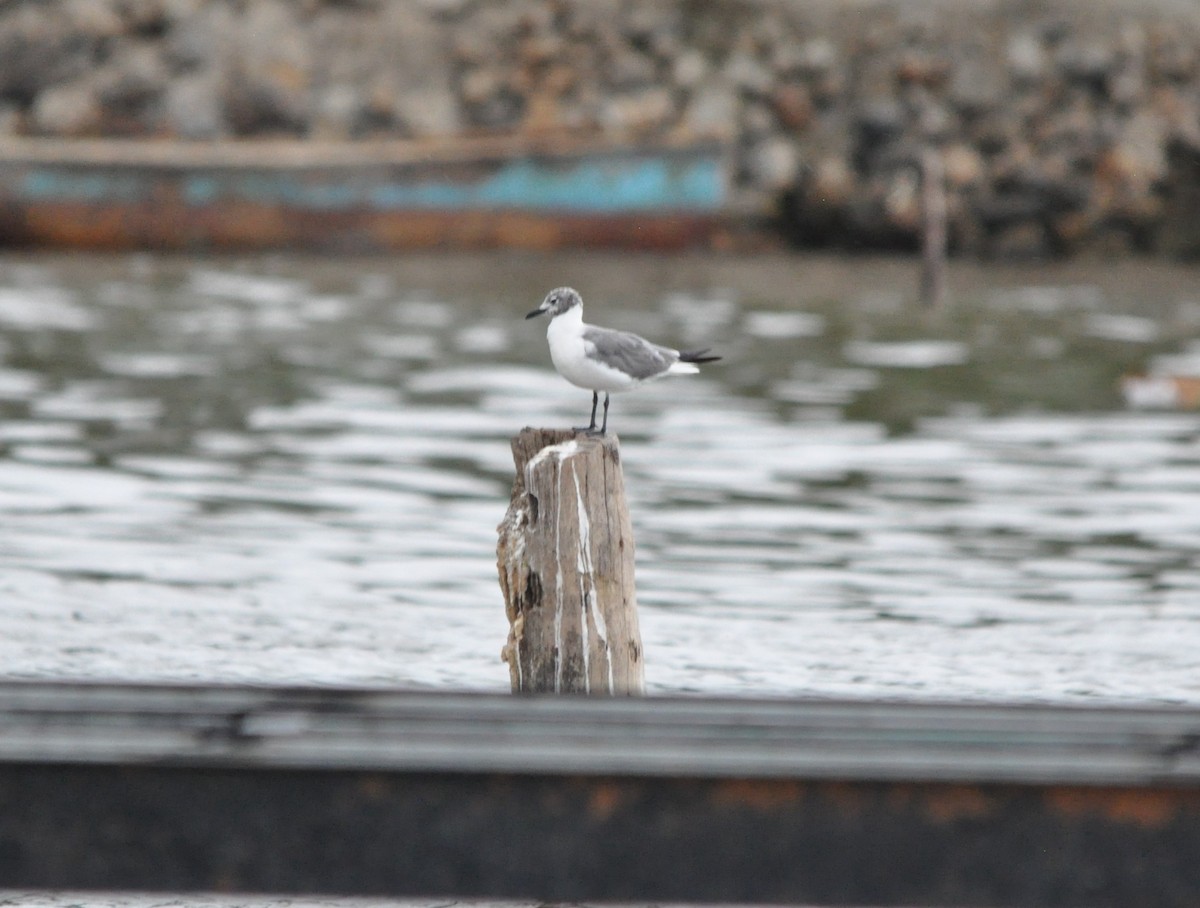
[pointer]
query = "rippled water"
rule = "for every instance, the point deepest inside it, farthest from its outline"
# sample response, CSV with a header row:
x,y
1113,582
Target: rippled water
x,y
284,470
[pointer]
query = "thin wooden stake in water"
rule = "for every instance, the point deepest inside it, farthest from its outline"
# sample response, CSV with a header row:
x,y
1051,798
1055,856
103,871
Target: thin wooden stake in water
x,y
565,557
933,229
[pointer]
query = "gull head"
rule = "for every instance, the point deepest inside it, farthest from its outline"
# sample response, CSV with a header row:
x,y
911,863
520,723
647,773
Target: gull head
x,y
557,302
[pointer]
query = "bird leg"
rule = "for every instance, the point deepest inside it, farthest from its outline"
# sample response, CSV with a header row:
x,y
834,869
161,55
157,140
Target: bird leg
x,y
591,427
604,427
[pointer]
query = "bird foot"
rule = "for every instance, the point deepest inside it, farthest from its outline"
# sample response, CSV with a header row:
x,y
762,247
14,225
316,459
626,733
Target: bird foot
x,y
588,430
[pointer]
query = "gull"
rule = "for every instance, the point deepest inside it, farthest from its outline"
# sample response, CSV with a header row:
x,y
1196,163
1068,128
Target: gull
x,y
601,359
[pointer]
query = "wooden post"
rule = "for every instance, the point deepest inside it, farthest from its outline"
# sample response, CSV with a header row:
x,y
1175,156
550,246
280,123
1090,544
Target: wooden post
x,y
565,557
933,229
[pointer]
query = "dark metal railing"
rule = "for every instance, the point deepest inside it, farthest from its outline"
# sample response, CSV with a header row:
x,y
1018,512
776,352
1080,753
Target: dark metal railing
x,y
285,790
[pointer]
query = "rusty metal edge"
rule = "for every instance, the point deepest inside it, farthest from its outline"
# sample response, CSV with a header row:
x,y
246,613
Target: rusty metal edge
x,y
247,227
572,838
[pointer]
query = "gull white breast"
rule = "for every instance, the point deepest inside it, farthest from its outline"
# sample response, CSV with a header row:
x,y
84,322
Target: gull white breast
x,y
602,359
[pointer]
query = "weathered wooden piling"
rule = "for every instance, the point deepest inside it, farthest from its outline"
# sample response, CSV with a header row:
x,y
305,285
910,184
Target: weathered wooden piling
x,y
565,557
933,229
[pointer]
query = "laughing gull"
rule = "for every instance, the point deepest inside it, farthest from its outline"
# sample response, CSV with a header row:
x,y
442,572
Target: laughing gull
x,y
601,359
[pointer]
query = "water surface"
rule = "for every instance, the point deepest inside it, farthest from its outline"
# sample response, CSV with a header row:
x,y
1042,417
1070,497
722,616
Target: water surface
x,y
290,470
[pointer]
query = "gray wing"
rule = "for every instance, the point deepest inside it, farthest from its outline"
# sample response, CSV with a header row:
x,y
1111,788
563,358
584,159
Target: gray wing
x,y
631,354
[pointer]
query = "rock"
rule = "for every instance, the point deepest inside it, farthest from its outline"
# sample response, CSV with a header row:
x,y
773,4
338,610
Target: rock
x,y
416,53
192,107
785,61
975,86
926,70
1026,57
652,27
712,110
690,68
489,100
1070,230
773,164
444,8
196,37
934,122
1127,87
11,121
478,86
268,89
98,20
747,73
258,107
1089,65
471,49
503,110
1033,212
1173,57
585,21
628,69
757,121
147,18
832,182
995,132
792,105
817,57
538,50
491,26
963,166
1142,147
817,212
429,110
39,50
133,80
828,89
644,111
878,123
69,109
338,112
543,112
768,33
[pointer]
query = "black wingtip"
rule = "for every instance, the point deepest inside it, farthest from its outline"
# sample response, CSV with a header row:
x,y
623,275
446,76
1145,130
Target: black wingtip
x,y
697,356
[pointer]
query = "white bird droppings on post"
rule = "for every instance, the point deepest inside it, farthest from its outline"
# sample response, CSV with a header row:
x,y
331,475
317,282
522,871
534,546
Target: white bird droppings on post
x,y
567,578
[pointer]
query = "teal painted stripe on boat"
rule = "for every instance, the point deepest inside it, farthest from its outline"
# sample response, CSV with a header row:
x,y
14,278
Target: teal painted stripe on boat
x,y
598,185
583,187
201,189
46,184
587,186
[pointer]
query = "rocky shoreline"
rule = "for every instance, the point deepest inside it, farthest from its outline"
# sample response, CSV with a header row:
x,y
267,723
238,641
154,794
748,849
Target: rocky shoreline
x,y
1065,127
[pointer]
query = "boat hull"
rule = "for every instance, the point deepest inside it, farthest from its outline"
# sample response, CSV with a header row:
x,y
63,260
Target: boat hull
x,y
120,195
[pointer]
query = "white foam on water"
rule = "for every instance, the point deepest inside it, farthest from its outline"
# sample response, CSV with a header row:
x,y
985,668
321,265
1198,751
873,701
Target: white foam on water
x,y
48,307
1131,329
261,289
784,325
19,384
158,365
916,354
